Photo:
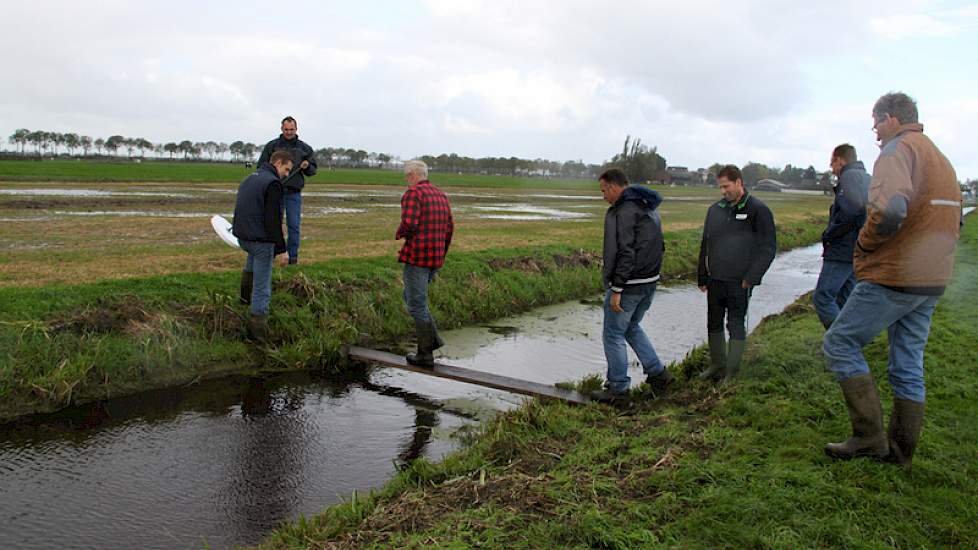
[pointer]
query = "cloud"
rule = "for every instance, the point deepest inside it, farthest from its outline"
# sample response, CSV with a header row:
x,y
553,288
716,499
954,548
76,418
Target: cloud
x,y
898,27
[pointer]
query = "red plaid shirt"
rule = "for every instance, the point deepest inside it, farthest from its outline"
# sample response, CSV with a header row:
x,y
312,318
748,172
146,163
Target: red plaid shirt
x,y
426,226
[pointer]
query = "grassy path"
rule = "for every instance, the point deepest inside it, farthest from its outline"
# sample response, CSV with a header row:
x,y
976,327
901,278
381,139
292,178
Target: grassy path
x,y
740,468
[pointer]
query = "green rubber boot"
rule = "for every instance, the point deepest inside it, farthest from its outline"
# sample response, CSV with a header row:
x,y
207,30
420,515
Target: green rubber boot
x,y
718,356
735,352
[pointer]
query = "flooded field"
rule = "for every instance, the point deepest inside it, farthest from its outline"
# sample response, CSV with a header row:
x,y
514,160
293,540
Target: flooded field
x,y
224,462
71,233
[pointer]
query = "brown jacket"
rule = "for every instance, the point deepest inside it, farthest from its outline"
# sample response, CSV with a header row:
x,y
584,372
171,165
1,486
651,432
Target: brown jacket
x,y
913,216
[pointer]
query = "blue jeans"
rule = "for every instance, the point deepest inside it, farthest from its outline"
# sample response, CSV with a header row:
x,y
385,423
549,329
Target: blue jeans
x,y
416,281
870,309
292,204
620,328
835,283
259,262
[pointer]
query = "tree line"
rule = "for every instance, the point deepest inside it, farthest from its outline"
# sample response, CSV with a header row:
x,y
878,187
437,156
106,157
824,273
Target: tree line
x,y
44,143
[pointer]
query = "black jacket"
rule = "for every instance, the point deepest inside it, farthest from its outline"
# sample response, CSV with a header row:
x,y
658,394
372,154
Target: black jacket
x,y
847,213
258,209
300,152
739,242
633,243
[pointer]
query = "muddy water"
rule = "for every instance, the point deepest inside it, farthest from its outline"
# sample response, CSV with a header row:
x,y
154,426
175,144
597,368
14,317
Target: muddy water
x,y
225,462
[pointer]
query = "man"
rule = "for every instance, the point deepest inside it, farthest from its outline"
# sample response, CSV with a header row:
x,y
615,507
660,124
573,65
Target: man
x,y
633,249
305,159
426,227
846,217
257,224
903,260
738,246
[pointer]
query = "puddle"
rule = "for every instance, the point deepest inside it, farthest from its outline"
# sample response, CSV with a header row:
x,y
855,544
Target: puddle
x,y
140,214
528,212
338,210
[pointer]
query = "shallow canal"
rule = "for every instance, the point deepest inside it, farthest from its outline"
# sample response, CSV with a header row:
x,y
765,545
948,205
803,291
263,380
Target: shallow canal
x,y
224,462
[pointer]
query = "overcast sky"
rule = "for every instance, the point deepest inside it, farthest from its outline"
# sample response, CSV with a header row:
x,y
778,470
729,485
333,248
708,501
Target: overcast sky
x,y
706,81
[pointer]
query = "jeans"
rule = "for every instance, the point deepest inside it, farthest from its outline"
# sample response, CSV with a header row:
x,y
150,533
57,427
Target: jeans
x,y
416,281
727,299
835,283
620,328
259,262
870,309
292,204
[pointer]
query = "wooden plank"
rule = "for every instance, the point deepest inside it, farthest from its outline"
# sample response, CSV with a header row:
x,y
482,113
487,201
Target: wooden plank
x,y
479,378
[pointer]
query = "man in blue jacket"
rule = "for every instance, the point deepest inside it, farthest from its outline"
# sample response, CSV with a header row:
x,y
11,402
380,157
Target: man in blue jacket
x,y
738,246
258,226
846,217
633,249
304,164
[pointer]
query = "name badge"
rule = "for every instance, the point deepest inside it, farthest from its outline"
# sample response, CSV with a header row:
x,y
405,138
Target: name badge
x,y
741,216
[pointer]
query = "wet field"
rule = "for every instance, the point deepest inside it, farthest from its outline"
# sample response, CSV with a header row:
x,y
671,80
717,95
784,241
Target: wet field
x,y
226,461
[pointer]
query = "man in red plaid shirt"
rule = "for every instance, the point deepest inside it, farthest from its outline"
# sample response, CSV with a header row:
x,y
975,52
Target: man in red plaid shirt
x,y
426,227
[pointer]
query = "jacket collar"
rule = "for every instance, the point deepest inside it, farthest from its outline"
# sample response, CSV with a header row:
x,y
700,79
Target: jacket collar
x,y
266,166
904,128
743,200
856,164
293,140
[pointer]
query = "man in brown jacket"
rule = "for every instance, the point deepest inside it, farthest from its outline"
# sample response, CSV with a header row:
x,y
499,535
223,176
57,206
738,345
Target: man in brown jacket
x,y
903,260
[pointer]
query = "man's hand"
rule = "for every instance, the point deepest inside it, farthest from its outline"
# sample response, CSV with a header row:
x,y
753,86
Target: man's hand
x,y
616,302
303,165
702,288
745,285
283,260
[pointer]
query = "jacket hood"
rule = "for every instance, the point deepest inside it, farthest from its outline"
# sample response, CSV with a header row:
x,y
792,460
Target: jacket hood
x,y
267,166
649,198
854,165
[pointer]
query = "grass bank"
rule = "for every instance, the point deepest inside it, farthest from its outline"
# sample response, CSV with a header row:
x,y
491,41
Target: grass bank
x,y
740,467
71,344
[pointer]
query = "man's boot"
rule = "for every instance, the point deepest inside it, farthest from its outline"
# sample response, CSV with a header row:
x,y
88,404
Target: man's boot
x,y
436,341
866,415
258,327
718,356
424,357
735,352
247,282
906,421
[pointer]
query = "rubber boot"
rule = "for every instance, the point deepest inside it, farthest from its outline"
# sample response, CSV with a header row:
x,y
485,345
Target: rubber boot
x,y
258,327
866,415
906,421
718,356
436,341
735,352
426,341
247,282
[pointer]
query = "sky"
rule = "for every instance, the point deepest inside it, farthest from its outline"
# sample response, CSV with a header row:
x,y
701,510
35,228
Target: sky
x,y
778,82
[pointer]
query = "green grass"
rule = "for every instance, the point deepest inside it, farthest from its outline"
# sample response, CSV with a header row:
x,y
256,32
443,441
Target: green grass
x,y
739,467
223,172
66,344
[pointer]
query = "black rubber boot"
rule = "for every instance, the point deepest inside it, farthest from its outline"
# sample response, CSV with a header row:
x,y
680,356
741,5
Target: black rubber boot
x,y
436,341
659,383
866,416
426,342
906,421
258,327
247,282
735,352
718,356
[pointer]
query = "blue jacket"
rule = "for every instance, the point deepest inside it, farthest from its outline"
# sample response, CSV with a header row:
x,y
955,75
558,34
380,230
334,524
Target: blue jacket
x,y
633,243
847,213
258,209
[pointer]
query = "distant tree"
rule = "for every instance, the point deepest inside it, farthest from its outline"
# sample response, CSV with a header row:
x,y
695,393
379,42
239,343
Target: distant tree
x,y
754,172
383,159
638,161
71,142
171,148
222,149
186,147
85,142
113,143
19,137
99,145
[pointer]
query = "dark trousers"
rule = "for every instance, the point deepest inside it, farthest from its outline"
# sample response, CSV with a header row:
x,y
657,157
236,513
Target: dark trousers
x,y
727,299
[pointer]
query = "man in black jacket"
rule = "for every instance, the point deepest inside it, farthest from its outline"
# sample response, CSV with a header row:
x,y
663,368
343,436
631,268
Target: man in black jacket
x,y
304,162
738,246
258,226
633,248
846,217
